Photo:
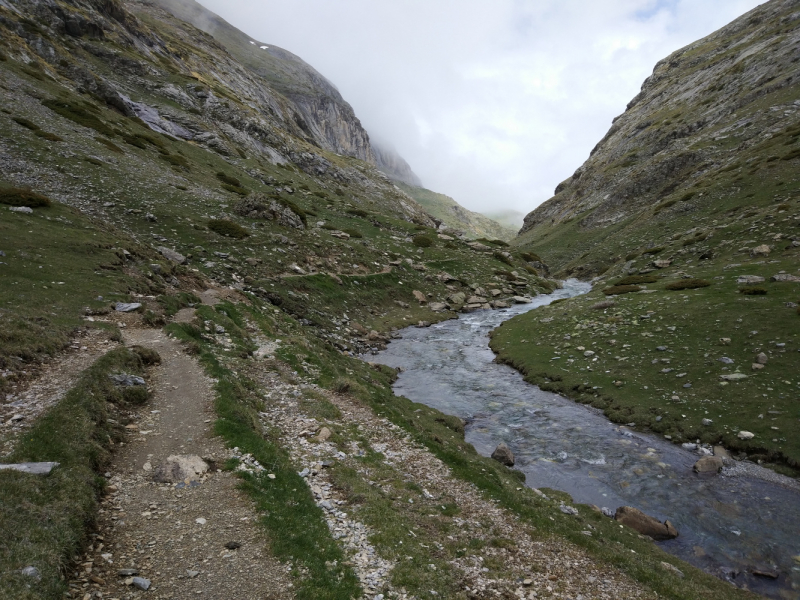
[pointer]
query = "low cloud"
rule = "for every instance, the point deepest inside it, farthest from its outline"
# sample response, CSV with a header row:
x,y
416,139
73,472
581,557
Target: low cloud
x,y
493,103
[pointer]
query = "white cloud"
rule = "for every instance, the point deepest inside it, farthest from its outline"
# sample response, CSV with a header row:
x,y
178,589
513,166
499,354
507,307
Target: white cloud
x,y
493,103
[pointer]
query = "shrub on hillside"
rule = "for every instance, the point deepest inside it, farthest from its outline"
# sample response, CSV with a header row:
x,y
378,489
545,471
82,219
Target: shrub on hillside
x,y
631,256
637,279
530,257
655,250
753,290
80,112
687,284
23,197
227,228
353,233
616,290
422,241
358,212
225,178
235,189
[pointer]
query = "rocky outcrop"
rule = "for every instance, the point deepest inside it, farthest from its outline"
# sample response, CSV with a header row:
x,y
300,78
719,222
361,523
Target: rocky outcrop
x,y
503,455
258,206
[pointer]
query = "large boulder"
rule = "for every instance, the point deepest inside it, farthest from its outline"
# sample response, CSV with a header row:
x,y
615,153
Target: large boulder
x,y
708,464
180,468
645,524
503,455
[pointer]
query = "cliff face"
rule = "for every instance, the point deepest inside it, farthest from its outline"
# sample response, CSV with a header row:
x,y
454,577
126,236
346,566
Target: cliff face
x,y
316,108
705,108
394,165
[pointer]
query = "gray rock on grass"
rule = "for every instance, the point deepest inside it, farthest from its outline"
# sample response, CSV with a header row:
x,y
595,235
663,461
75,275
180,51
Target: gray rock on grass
x,y
127,306
645,524
33,468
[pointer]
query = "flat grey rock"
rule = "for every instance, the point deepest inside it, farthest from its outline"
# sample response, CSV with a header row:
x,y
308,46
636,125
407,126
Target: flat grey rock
x,y
34,468
33,572
127,306
22,209
172,255
125,380
141,583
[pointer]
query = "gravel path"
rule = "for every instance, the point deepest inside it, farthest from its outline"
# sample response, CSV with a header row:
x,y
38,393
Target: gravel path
x,y
175,535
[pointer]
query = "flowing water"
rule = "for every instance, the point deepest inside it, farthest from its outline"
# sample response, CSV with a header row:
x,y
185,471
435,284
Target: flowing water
x,y
743,520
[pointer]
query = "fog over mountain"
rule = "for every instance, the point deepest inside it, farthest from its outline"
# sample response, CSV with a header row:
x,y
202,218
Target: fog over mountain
x,y
490,103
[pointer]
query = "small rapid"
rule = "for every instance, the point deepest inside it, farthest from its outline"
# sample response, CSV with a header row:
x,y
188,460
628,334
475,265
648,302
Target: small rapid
x,y
746,519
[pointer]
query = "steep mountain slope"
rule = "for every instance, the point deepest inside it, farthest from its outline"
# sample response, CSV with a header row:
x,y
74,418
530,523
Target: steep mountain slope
x,y
450,213
715,127
686,214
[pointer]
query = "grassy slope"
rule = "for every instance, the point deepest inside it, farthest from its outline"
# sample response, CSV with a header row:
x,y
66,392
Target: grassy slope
x,y
452,214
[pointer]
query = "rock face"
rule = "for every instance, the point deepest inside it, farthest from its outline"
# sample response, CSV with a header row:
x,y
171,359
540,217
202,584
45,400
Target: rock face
x,y
503,455
259,206
645,524
180,468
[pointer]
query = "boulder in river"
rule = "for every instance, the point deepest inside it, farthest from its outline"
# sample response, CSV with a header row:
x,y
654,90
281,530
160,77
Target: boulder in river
x,y
708,464
645,524
503,454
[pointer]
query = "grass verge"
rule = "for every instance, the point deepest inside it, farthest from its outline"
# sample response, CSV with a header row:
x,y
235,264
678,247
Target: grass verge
x,y
44,519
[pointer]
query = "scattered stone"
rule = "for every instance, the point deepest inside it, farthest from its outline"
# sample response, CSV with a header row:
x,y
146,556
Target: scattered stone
x,y
233,545
150,217
733,377
662,264
200,521
420,297
749,279
457,298
756,366
706,422
323,434
661,348
503,455
172,255
568,510
645,524
725,341
745,435
126,380
179,468
33,468
192,574
603,305
672,568
437,306
607,512
708,464
27,210
762,250
726,360
31,571
521,300
127,572
141,583
722,452
127,306
761,358
785,277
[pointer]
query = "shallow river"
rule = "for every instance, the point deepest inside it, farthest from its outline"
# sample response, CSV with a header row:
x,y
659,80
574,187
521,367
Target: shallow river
x,y
729,524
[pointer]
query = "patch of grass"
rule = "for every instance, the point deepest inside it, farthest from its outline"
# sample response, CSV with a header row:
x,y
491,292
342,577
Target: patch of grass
x,y
687,284
530,257
358,212
637,279
94,161
51,137
235,189
23,197
175,302
110,145
176,160
44,519
615,290
655,250
26,123
228,229
353,233
80,112
422,241
227,179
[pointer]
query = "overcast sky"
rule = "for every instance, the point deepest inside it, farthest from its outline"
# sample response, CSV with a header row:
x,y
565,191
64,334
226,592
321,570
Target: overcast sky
x,y
493,102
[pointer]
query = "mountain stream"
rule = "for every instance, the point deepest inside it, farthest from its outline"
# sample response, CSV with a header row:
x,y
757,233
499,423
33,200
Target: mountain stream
x,y
746,519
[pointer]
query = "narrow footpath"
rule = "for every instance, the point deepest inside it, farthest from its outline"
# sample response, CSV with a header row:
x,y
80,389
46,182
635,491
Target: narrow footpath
x,y
196,538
